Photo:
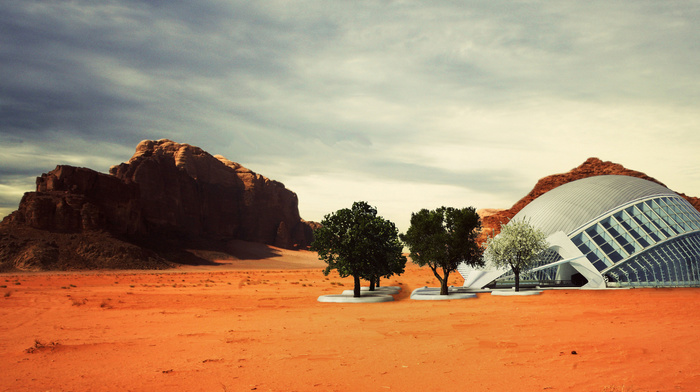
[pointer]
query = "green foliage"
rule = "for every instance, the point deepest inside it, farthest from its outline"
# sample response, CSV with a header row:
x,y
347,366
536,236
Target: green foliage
x,y
356,242
443,238
518,246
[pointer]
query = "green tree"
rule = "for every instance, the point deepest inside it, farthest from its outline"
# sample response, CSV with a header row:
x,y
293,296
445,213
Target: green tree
x,y
387,256
443,238
518,246
358,243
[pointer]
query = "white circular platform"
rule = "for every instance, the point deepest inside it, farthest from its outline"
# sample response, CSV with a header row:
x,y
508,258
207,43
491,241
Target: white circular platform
x,y
433,294
513,293
364,299
389,290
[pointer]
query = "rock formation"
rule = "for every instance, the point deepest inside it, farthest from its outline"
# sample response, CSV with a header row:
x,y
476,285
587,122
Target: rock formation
x,y
72,200
187,193
167,197
591,167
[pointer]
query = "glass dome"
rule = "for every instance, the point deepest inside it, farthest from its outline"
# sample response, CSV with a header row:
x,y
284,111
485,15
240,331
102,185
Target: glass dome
x,y
633,232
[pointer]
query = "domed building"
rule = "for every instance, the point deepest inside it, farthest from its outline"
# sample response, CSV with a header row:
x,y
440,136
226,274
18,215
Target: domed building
x,y
608,231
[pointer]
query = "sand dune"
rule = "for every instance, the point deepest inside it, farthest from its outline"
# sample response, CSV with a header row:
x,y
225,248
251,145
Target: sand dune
x,y
256,325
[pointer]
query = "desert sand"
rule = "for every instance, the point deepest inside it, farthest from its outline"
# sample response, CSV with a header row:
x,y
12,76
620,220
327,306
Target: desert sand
x,y
255,324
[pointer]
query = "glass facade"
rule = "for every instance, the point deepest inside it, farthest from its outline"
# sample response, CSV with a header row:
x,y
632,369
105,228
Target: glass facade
x,y
674,263
546,276
652,242
634,233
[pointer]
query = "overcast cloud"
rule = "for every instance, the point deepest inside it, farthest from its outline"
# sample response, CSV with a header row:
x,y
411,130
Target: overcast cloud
x,y
404,104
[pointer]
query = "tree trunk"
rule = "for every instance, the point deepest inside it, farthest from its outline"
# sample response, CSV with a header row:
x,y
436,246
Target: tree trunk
x,y
443,284
371,284
356,290
443,287
516,271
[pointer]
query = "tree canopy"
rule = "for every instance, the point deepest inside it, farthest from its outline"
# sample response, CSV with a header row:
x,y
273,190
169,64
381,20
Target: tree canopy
x,y
358,243
518,246
443,238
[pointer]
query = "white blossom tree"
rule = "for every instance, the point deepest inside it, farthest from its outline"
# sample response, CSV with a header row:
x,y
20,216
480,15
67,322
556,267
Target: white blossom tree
x,y
518,246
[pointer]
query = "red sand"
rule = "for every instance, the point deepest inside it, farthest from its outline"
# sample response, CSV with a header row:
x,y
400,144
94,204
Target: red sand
x,y
224,328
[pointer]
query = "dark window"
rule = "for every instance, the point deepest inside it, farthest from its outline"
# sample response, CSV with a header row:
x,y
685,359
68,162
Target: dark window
x,y
607,248
615,257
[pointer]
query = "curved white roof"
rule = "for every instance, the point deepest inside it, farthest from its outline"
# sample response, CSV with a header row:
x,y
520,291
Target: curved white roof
x,y
569,206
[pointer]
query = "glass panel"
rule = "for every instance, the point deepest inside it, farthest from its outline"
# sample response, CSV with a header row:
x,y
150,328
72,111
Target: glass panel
x,y
599,240
644,241
641,271
613,231
591,231
603,257
669,260
649,267
621,216
615,256
631,273
651,231
680,250
599,265
579,242
607,248
624,276
663,227
626,225
629,248
658,272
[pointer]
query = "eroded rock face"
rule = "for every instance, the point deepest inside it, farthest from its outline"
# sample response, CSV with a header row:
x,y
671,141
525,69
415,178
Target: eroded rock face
x,y
591,167
186,192
71,199
168,191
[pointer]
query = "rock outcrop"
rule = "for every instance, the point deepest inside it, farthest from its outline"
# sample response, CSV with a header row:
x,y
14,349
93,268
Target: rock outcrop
x,y
73,200
591,167
167,197
187,193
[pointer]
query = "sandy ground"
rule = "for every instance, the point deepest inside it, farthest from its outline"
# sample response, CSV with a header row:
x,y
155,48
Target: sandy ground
x,y
241,325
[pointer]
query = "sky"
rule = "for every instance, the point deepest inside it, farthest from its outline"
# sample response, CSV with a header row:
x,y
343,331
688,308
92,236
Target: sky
x,y
403,104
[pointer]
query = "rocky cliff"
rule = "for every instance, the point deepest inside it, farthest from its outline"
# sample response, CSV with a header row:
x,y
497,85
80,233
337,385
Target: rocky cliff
x,y
187,193
168,196
491,223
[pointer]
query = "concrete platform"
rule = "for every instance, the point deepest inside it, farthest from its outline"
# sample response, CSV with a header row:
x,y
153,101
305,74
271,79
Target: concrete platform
x,y
389,290
349,299
513,293
433,294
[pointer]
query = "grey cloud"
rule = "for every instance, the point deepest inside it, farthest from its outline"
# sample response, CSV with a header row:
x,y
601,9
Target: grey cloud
x,y
323,85
488,181
50,81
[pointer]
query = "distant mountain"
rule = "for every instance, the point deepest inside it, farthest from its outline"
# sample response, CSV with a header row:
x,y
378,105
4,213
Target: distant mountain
x,y
147,212
591,167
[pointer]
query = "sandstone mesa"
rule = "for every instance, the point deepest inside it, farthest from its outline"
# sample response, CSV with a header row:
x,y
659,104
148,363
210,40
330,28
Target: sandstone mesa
x,y
168,197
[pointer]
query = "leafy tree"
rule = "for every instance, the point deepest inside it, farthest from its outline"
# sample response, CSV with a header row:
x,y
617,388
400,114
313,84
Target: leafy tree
x,y
518,246
443,238
387,258
358,243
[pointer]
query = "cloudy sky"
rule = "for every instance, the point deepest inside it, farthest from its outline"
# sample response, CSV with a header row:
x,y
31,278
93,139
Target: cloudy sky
x,y
404,104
